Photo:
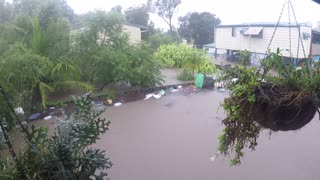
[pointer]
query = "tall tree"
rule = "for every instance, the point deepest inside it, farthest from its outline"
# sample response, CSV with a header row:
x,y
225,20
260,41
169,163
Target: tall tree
x,y
165,9
117,9
140,15
5,11
50,7
198,27
137,15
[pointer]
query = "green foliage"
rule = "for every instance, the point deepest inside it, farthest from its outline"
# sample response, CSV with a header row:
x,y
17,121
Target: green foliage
x,y
182,56
135,65
107,60
185,75
109,94
172,55
21,71
106,30
31,77
165,9
198,27
288,88
240,130
39,107
68,154
199,61
159,38
138,15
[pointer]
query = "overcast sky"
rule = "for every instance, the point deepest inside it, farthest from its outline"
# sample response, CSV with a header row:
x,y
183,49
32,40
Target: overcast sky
x,y
229,11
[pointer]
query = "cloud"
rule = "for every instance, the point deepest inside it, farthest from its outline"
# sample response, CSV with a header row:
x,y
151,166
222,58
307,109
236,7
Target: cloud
x,y
229,11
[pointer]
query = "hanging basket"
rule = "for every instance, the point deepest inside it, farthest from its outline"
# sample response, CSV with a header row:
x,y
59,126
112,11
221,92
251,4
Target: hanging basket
x,y
282,108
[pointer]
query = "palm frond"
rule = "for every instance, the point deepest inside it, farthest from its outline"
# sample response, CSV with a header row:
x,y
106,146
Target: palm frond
x,y
73,85
44,89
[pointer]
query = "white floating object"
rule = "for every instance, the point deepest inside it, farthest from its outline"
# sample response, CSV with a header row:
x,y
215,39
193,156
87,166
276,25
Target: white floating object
x,y
174,90
19,110
262,80
47,118
162,92
212,158
234,80
117,104
157,96
179,87
148,96
52,108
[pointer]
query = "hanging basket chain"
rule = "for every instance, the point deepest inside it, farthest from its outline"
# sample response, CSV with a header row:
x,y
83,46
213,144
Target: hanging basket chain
x,y
289,17
296,21
275,29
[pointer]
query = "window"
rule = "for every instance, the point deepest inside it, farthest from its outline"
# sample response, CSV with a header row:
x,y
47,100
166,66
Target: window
x,y
242,31
306,36
255,32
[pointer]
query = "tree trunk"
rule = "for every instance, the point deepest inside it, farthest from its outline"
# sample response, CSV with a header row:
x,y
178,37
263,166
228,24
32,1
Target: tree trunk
x,y
170,26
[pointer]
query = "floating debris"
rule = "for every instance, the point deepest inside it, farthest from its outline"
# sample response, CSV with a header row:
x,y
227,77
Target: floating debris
x,y
118,104
108,101
212,158
148,96
34,116
19,110
47,118
157,96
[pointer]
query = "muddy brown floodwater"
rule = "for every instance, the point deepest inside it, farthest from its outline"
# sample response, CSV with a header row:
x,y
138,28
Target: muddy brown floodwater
x,y
174,137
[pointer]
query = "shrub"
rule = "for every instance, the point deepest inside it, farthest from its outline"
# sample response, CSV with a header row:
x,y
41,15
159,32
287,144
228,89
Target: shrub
x,y
182,56
185,75
134,65
68,154
172,55
159,38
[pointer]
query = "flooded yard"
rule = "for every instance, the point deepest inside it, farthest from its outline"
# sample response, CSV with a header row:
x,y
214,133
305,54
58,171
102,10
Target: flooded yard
x,y
174,138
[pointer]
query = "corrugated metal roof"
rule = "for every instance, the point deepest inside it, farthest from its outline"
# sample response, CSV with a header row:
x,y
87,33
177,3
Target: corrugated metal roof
x,y
264,24
253,31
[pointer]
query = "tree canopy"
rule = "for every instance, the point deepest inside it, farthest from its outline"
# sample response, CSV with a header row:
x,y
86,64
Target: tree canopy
x,y
138,15
198,27
165,9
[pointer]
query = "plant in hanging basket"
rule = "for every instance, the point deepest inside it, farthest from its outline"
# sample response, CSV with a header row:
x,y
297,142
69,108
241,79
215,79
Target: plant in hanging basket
x,y
260,100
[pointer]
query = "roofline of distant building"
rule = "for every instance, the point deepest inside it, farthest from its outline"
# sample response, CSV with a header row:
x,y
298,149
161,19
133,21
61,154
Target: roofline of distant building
x,y
136,25
125,23
262,25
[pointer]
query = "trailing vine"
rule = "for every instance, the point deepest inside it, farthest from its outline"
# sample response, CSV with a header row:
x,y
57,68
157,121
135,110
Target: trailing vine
x,y
284,100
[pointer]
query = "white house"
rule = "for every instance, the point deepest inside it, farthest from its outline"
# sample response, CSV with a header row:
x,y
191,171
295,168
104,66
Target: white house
x,y
256,37
134,31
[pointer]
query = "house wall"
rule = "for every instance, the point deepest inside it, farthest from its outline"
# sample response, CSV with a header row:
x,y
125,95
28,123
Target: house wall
x,y
134,33
315,49
224,40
